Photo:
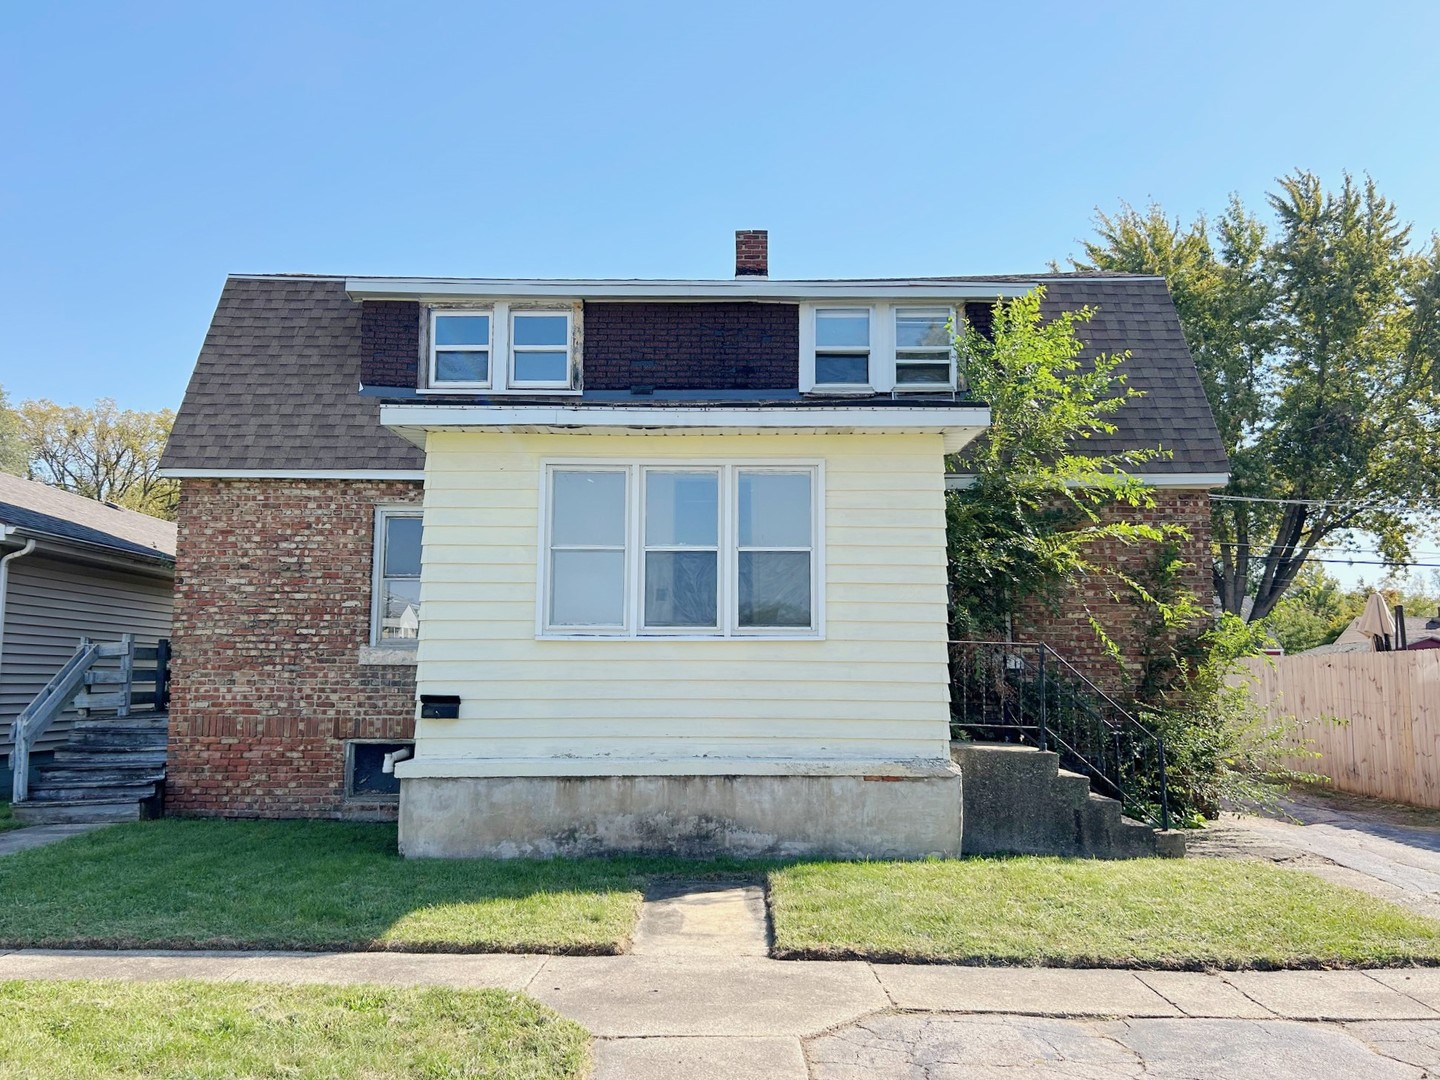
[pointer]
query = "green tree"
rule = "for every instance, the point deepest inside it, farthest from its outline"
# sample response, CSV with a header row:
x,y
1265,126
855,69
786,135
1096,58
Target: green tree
x,y
1317,341
1037,516
101,452
1314,611
12,440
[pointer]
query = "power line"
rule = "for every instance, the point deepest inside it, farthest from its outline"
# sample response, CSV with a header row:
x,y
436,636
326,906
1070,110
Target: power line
x,y
1313,502
1342,562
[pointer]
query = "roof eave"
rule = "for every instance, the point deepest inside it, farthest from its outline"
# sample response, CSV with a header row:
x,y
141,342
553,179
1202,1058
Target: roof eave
x,y
699,289
959,424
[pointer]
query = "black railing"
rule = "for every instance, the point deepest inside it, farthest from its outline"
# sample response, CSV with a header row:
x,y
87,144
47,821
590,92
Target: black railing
x,y
1021,692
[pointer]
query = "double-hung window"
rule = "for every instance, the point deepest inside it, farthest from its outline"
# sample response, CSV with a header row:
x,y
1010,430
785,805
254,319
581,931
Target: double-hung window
x,y
395,595
883,347
924,353
842,346
460,349
681,549
501,349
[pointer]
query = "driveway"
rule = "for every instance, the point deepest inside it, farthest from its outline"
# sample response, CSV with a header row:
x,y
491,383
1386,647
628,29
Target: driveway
x,y
1385,849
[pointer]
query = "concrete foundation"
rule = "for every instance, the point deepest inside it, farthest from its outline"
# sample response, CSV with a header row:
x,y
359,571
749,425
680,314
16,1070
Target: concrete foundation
x,y
538,816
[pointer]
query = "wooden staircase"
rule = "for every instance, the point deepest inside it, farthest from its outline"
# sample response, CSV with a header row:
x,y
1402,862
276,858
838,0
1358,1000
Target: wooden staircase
x,y
111,766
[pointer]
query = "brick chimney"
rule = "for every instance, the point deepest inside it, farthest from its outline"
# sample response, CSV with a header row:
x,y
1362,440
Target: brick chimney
x,y
752,253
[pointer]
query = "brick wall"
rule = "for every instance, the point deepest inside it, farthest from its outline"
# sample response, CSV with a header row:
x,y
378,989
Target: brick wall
x,y
272,608
389,342
719,346
1067,629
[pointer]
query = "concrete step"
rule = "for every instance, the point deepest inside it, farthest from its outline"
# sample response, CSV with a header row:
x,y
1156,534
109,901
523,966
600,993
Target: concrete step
x,y
1017,800
78,811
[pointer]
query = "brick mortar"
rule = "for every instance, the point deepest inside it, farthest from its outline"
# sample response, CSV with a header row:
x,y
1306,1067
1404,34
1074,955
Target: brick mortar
x,y
1067,630
272,606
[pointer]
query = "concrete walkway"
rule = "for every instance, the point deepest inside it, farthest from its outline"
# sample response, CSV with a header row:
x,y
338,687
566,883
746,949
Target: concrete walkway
x,y
13,840
1387,850
747,1016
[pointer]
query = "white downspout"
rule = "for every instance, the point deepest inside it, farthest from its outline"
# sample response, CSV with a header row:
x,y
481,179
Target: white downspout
x,y
5,532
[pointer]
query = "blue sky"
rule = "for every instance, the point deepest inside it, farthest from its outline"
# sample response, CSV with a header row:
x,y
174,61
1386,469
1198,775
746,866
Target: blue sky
x,y
151,148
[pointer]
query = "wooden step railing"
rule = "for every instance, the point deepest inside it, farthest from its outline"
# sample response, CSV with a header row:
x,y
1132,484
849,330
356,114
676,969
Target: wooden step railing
x,y
83,685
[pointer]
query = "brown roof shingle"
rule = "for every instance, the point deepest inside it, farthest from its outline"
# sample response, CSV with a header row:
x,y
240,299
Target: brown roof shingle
x,y
276,384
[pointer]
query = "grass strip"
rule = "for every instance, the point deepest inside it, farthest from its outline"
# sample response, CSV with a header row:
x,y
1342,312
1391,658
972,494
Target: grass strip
x,y
105,1030
1183,914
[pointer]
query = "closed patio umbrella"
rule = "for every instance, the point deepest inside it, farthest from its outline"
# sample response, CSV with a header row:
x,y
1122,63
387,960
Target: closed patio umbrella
x,y
1377,623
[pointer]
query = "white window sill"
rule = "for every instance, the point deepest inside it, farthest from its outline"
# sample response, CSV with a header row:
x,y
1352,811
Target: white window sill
x,y
383,655
847,390
755,635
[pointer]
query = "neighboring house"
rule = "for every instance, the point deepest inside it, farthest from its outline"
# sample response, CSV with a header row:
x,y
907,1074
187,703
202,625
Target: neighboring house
x,y
73,568
633,564
1421,632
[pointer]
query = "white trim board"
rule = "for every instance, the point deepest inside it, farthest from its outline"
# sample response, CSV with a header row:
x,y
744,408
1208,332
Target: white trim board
x,y
294,474
436,767
713,289
960,481
958,424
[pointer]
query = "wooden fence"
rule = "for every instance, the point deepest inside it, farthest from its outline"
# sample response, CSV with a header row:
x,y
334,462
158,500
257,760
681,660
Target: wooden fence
x,y
1387,742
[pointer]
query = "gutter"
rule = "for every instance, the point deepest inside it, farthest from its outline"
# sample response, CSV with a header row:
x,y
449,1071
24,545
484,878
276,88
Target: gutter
x,y
6,531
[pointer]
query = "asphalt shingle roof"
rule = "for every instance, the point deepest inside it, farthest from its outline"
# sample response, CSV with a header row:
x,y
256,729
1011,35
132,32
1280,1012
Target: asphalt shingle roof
x,y
47,511
276,384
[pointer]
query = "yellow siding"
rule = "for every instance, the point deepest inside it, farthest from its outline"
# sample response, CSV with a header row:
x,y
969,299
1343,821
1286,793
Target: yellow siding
x,y
873,690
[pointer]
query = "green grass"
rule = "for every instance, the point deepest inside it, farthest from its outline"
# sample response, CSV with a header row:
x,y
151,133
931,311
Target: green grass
x,y
199,1031
310,885
6,820
1153,913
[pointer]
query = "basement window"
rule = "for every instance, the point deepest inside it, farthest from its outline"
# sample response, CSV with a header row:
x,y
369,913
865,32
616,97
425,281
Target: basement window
x,y
365,775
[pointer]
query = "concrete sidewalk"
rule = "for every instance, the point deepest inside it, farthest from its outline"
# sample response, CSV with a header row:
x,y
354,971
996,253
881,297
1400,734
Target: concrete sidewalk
x,y
666,1015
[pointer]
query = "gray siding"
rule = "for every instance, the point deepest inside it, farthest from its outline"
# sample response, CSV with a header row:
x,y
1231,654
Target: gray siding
x,y
51,605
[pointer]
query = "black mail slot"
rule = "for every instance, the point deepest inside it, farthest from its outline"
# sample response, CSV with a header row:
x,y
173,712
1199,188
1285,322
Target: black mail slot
x,y
439,706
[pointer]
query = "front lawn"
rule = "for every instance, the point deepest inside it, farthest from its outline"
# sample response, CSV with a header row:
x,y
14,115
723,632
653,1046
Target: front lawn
x,y
209,1031
1153,913
306,885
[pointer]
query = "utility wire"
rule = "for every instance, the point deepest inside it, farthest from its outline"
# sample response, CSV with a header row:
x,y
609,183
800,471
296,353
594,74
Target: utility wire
x,y
1312,502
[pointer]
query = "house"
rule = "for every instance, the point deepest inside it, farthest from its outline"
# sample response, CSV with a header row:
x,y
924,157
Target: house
x,y
72,567
1421,632
573,565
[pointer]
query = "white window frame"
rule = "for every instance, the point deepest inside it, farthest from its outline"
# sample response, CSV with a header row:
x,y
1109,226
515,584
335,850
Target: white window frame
x,y
433,350
813,319
502,379
949,350
377,572
547,518
882,350
728,561
514,382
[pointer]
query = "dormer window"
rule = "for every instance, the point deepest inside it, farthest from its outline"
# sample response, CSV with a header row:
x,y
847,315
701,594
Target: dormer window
x,y
842,347
460,355
924,355
878,348
501,349
541,349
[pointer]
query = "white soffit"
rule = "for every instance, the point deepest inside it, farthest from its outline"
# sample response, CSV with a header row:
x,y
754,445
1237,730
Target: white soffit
x,y
958,424
710,289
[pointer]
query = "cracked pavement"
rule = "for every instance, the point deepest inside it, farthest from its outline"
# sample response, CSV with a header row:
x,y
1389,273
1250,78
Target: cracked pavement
x,y
899,1046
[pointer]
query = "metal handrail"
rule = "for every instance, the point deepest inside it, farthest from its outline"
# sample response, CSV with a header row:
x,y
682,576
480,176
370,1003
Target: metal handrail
x,y
1027,692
